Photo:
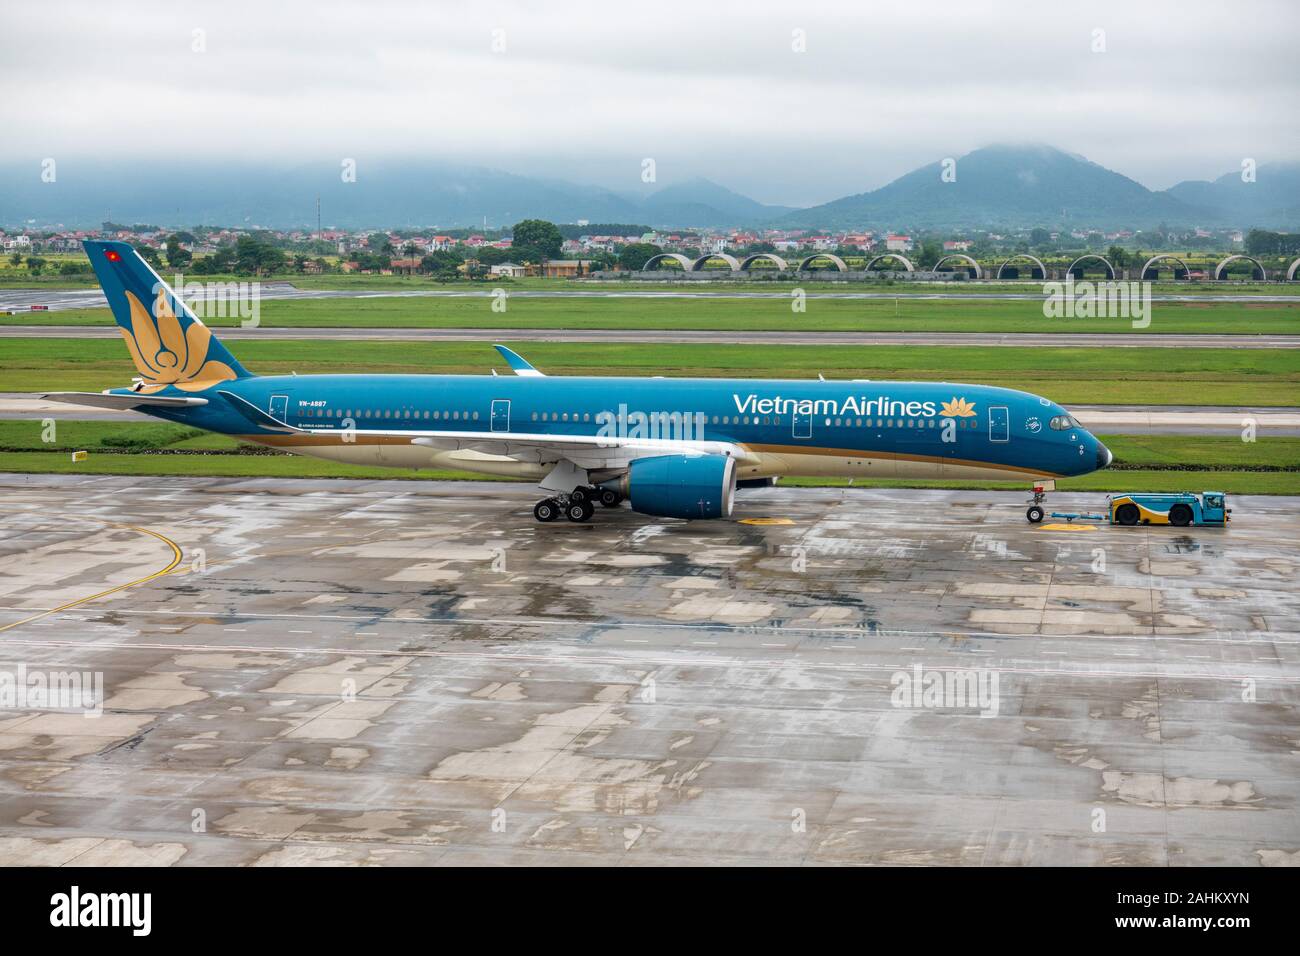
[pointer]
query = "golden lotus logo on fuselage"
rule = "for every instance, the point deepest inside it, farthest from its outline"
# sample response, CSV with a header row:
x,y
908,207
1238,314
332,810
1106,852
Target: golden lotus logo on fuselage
x,y
165,354
957,408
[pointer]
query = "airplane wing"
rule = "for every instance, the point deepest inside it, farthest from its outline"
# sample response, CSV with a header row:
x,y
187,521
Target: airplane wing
x,y
592,452
122,402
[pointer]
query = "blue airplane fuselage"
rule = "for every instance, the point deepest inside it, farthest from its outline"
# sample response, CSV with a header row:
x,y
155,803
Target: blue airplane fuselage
x,y
789,427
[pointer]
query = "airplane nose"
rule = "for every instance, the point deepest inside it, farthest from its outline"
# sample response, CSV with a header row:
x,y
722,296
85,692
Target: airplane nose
x,y
1104,457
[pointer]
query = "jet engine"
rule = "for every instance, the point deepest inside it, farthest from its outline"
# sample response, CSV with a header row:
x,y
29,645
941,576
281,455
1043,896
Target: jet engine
x,y
679,486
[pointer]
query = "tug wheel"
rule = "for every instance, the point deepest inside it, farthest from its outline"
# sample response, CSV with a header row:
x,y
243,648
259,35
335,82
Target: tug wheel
x,y
1180,516
1127,514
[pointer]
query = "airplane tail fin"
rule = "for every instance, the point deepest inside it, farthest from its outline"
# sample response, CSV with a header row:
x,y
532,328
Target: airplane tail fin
x,y
167,342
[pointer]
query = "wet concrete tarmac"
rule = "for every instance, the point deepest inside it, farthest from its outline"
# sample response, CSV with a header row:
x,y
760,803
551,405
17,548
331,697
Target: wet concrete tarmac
x,y
391,672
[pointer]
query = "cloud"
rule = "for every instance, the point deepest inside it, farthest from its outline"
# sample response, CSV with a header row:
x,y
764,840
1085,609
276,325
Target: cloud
x,y
586,90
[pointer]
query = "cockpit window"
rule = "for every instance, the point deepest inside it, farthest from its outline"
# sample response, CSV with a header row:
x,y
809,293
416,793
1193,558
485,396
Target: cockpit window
x,y
1060,423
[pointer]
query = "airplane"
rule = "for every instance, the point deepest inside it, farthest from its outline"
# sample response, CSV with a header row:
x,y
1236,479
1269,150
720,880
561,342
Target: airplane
x,y
669,447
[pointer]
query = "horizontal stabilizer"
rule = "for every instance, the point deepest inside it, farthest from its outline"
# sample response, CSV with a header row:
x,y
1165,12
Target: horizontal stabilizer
x,y
518,363
122,402
258,417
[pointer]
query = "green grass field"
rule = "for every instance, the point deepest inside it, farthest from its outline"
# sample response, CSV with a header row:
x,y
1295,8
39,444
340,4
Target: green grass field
x,y
19,278
1154,376
718,314
1268,466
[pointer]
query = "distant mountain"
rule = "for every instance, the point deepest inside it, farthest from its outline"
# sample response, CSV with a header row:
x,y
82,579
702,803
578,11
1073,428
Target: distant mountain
x,y
392,195
389,195
701,202
997,186
1008,186
1271,201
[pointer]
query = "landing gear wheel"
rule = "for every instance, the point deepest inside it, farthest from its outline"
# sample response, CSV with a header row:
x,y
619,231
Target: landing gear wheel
x,y
610,498
1034,514
1180,516
546,510
579,511
580,494
1127,514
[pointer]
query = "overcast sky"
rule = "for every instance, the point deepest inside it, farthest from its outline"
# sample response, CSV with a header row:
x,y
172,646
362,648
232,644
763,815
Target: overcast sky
x,y
586,91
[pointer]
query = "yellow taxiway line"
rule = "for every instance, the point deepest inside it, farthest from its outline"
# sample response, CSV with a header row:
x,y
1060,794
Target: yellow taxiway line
x,y
176,560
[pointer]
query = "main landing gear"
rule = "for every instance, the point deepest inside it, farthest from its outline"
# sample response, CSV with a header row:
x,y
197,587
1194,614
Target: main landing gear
x,y
578,505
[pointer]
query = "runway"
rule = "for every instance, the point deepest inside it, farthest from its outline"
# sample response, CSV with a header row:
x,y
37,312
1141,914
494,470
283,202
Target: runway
x,y
665,336
1102,419
400,672
56,300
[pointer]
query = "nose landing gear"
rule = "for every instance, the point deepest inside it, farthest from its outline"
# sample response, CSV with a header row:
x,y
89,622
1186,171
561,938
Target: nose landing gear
x,y
1034,513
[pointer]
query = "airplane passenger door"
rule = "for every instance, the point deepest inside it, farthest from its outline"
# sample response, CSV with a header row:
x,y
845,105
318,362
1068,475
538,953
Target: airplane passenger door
x,y
802,424
279,407
501,415
999,423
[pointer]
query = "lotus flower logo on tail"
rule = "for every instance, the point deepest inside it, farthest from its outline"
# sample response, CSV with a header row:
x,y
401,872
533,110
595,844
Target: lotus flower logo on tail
x,y
958,408
167,354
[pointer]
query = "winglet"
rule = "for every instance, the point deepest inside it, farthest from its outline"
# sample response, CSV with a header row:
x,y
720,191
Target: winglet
x,y
517,363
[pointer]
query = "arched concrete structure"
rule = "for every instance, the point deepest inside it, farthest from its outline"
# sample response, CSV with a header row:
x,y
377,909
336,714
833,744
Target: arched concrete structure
x,y
771,257
1110,269
907,266
1290,273
979,274
674,256
698,264
1218,270
1164,255
835,260
1042,269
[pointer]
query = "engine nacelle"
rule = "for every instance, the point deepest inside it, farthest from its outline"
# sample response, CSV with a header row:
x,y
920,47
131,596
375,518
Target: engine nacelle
x,y
680,486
